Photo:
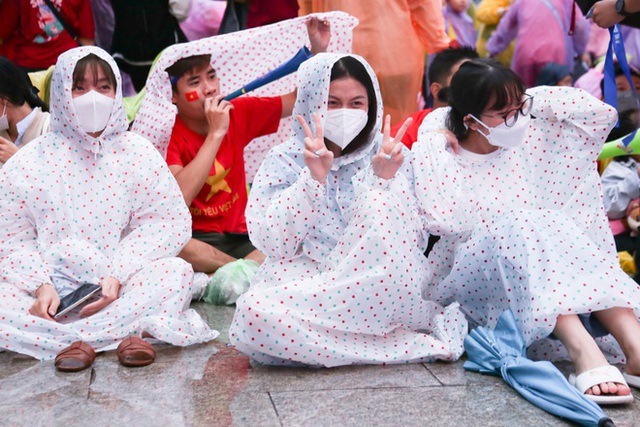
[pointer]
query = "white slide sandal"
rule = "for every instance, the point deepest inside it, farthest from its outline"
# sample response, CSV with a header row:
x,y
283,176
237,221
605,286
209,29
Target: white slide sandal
x,y
596,376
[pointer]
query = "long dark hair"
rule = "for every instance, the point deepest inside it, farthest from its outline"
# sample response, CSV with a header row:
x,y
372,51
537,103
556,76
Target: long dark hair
x,y
348,66
16,86
474,85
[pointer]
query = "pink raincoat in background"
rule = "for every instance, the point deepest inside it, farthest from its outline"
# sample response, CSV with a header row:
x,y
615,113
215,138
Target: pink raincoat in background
x,y
538,32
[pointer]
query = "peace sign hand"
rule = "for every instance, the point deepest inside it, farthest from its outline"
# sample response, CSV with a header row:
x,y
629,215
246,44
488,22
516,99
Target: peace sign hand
x,y
389,159
316,156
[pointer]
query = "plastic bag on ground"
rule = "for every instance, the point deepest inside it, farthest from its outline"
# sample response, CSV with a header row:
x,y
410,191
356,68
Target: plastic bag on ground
x,y
230,281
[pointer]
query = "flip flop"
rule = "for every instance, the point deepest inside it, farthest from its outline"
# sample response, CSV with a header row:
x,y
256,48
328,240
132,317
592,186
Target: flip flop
x,y
603,374
135,352
76,357
632,380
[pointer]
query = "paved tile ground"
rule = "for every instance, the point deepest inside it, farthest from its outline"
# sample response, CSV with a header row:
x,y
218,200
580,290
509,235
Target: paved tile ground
x,y
215,385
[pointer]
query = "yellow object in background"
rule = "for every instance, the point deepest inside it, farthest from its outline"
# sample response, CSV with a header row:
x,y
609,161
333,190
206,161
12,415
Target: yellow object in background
x,y
626,263
42,81
487,17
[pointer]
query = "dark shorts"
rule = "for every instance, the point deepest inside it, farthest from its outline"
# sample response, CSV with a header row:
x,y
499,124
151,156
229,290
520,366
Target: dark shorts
x,y
236,245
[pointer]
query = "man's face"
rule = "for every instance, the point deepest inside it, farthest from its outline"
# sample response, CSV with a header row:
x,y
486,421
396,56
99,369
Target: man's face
x,y
193,88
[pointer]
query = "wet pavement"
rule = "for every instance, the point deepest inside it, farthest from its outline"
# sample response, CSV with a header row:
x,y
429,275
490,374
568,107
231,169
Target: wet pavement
x,y
215,385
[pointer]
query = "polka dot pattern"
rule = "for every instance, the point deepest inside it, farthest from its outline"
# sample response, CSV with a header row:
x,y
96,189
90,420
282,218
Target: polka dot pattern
x,y
524,228
77,209
238,58
341,284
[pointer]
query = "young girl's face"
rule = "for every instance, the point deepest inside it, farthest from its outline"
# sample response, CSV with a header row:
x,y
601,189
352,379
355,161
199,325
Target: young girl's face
x,y
347,92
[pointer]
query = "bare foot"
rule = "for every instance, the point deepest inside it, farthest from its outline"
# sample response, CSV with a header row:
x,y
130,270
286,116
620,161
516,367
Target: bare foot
x,y
605,389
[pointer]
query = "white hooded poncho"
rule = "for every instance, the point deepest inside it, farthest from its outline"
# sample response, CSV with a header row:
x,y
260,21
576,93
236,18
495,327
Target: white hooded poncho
x,y
76,209
341,282
524,228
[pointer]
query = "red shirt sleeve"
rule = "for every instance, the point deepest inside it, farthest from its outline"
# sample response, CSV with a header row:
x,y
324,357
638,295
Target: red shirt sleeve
x,y
253,117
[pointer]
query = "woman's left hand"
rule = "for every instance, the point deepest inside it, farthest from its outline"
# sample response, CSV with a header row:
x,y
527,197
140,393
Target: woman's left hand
x,y
110,293
389,159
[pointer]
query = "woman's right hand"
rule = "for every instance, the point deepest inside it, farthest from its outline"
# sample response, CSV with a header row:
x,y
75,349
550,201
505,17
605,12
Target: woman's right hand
x,y
47,302
316,156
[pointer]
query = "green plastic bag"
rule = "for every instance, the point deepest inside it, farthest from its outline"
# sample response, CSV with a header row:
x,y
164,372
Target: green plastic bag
x,y
230,281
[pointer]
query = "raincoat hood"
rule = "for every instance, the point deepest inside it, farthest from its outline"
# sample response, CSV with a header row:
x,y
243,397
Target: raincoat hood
x,y
64,118
314,78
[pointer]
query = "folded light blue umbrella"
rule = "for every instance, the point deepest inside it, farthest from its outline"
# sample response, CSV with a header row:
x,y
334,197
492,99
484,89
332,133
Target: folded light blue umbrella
x,y
277,73
503,352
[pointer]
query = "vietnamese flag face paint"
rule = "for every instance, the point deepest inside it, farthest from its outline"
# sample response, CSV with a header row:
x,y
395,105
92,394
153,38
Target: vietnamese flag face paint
x,y
191,96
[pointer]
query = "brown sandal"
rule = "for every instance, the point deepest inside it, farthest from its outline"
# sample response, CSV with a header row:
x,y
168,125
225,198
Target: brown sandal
x,y
134,352
76,357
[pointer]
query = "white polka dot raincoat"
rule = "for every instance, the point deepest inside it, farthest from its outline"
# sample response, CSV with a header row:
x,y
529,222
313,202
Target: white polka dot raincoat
x,y
76,209
341,283
524,228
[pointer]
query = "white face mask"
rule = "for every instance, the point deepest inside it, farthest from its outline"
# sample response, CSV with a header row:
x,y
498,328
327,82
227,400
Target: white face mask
x,y
4,120
93,110
506,137
341,126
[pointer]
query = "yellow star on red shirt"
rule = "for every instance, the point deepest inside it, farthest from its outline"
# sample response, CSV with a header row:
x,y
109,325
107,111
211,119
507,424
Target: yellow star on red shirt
x,y
217,182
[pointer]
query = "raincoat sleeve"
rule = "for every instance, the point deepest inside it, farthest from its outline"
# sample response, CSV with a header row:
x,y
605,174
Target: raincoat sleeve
x,y
575,120
160,224
620,185
445,203
506,31
284,204
21,262
400,193
428,23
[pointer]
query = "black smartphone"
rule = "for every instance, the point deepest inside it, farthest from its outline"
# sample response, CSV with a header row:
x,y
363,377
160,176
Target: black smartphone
x,y
76,298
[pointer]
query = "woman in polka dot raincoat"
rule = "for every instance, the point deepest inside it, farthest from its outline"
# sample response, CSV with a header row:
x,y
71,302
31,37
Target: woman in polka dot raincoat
x,y
519,208
341,283
91,202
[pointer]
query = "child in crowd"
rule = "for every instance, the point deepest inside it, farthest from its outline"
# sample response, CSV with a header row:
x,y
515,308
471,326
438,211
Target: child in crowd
x,y
24,116
459,22
519,209
341,282
90,202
